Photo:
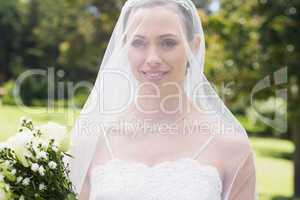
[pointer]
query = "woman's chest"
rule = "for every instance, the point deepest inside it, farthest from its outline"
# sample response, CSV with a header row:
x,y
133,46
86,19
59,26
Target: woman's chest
x,y
178,179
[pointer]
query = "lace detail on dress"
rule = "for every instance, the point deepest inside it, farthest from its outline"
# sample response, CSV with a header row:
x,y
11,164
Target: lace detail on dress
x,y
182,179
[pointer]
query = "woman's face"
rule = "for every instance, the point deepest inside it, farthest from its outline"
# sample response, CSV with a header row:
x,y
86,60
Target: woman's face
x,y
156,48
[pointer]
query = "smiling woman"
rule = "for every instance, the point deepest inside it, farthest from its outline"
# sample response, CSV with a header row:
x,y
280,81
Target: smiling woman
x,y
161,48
165,48
144,80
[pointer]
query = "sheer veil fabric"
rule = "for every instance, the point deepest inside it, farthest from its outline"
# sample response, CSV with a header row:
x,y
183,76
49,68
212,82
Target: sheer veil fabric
x,y
121,82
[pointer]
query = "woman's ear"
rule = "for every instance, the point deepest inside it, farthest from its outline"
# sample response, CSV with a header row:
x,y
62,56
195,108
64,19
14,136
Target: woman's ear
x,y
196,43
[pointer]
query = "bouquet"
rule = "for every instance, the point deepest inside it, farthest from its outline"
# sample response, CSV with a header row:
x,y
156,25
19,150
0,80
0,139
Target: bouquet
x,y
32,164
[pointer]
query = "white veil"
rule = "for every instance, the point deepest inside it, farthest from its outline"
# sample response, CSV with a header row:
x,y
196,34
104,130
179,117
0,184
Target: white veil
x,y
116,86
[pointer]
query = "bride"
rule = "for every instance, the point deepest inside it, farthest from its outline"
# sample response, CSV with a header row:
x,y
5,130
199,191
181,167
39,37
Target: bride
x,y
153,126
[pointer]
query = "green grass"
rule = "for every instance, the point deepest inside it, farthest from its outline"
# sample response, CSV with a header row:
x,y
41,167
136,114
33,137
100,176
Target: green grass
x,y
274,168
273,156
10,115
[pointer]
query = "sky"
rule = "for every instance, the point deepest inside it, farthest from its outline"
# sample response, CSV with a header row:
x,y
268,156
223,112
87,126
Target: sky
x,y
215,5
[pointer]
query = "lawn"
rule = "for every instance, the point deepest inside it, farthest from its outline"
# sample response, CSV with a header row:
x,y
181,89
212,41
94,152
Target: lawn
x,y
273,156
274,168
10,115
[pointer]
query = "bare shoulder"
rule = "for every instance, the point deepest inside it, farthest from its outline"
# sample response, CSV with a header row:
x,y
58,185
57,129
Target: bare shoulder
x,y
225,135
233,147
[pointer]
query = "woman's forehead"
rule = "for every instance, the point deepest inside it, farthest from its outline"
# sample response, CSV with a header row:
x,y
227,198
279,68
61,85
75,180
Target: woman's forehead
x,y
156,20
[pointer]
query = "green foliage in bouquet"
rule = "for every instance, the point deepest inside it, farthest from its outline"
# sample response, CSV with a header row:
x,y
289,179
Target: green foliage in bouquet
x,y
32,164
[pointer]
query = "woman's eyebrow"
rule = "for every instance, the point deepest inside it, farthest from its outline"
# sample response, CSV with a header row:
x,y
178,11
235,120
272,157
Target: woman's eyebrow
x,y
140,36
160,36
168,35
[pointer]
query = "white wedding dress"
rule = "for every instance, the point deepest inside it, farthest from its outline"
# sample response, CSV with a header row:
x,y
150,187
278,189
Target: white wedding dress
x,y
182,179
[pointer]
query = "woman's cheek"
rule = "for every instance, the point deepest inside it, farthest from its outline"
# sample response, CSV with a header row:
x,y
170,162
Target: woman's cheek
x,y
136,61
177,67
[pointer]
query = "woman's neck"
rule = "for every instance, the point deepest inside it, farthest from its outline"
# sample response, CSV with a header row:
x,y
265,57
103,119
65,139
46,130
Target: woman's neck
x,y
161,106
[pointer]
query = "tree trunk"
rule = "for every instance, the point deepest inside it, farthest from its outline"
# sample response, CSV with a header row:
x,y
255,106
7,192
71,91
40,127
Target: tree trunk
x,y
296,138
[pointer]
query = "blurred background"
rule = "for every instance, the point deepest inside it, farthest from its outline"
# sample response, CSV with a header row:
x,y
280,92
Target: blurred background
x,y
50,52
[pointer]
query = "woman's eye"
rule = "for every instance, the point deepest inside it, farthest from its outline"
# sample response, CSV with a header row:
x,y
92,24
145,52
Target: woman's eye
x,y
168,43
138,43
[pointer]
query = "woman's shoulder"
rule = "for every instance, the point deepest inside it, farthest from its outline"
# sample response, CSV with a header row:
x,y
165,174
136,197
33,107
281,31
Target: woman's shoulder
x,y
232,149
233,142
226,136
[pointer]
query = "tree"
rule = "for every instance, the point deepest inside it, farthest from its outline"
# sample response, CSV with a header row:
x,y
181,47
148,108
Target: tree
x,y
280,39
70,35
262,37
9,33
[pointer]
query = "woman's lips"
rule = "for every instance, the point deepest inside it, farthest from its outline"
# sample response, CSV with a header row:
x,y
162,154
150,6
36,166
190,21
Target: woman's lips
x,y
153,76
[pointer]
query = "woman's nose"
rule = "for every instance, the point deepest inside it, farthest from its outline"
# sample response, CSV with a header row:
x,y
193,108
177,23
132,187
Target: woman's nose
x,y
153,58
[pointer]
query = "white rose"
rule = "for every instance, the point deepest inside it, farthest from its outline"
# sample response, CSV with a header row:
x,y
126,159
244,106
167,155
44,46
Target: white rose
x,y
40,142
26,181
44,143
18,144
19,179
35,131
35,167
42,186
35,145
42,154
57,132
42,171
54,148
52,165
19,140
13,172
